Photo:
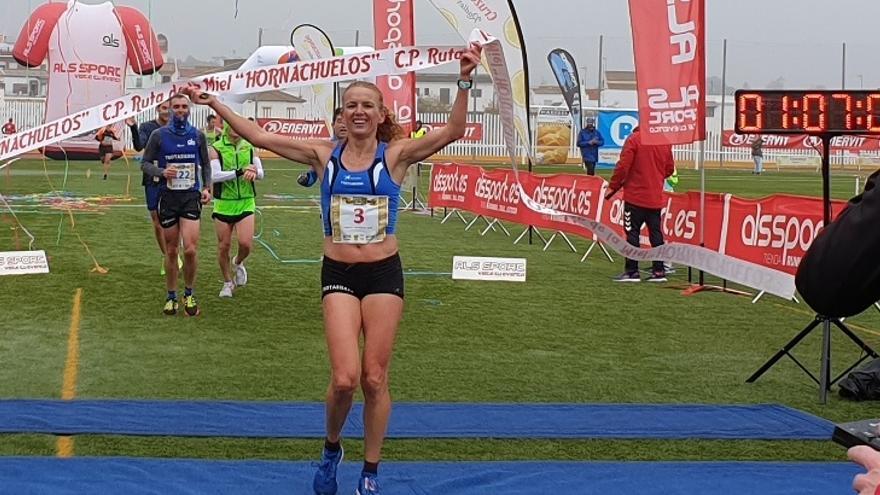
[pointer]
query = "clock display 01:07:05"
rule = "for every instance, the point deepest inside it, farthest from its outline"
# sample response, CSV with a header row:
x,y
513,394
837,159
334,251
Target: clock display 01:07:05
x,y
807,112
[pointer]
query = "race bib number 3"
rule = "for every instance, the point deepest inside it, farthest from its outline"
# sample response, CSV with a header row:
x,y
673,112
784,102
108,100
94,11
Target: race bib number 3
x,y
185,177
358,219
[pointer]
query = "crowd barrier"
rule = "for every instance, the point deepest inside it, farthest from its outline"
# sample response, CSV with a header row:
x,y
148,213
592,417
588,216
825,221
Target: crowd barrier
x,y
774,231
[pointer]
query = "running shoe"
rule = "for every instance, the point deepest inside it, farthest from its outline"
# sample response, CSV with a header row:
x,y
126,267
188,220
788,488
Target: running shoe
x,y
226,291
628,277
368,485
240,275
170,307
325,477
190,306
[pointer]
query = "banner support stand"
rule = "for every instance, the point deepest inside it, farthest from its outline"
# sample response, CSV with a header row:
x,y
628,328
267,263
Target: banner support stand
x,y
454,211
559,233
529,230
492,227
602,247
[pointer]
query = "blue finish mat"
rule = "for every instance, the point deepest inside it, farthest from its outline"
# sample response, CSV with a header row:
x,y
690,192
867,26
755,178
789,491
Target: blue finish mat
x,y
411,420
52,476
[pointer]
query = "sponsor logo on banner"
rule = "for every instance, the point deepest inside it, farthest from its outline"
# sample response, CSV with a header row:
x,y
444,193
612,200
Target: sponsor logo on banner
x,y
32,37
776,231
853,144
394,28
449,185
296,128
493,269
670,69
473,131
498,192
110,40
23,262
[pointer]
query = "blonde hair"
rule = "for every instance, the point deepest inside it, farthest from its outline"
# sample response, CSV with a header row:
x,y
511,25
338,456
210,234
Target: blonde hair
x,y
388,130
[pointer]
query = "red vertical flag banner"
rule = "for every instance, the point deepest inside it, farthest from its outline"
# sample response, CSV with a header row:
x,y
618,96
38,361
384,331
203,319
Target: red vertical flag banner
x,y
393,28
669,40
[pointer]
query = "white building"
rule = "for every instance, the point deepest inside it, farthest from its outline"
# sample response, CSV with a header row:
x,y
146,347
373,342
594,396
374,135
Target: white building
x,y
18,81
441,87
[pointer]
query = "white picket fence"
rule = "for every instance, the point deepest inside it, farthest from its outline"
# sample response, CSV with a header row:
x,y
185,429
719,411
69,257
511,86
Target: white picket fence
x,y
28,112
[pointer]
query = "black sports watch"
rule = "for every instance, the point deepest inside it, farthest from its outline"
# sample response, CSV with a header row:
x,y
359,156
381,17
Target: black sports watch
x,y
465,84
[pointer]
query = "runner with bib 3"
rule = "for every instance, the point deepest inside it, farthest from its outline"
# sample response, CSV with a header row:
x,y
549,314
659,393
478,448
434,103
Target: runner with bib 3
x,y
361,277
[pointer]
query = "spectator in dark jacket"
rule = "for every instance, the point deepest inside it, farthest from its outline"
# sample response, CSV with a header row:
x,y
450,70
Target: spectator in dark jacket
x,y
641,172
589,141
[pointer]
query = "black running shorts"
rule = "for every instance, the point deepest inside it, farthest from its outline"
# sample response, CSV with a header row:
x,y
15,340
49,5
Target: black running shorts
x,y
174,205
362,279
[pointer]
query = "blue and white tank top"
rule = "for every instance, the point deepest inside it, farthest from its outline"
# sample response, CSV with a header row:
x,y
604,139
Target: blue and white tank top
x,y
375,181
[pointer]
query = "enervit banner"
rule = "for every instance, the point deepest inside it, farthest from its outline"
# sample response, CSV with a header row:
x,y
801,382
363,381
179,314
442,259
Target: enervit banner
x,y
771,232
311,43
473,130
296,128
564,69
89,48
853,144
497,16
669,49
393,27
553,135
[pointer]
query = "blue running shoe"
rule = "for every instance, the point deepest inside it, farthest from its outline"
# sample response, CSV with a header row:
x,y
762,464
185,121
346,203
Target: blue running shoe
x,y
368,485
325,477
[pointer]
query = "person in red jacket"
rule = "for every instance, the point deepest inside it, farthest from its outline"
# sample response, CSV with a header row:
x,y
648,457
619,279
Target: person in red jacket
x,y
641,172
9,127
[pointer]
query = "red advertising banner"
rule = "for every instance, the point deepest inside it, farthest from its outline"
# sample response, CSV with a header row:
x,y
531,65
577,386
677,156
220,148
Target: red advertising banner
x,y
773,232
473,130
572,194
670,69
296,128
393,27
853,144
681,219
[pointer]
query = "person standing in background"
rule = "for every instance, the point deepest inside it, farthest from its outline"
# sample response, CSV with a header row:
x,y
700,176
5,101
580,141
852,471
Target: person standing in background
x,y
641,172
9,127
758,155
589,141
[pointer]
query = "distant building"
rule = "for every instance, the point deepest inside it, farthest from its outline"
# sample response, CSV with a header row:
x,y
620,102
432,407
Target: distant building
x,y
18,81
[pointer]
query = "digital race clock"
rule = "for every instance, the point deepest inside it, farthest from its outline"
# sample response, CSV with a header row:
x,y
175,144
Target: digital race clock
x,y
807,112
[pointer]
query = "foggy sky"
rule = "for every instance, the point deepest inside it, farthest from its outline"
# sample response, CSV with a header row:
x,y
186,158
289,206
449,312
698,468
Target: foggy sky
x,y
797,40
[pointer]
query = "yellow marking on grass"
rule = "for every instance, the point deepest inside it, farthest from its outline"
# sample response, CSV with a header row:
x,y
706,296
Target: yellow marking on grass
x,y
71,367
849,324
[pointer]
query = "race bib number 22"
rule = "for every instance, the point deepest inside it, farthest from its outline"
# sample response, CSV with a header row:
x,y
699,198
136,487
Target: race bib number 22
x,y
185,177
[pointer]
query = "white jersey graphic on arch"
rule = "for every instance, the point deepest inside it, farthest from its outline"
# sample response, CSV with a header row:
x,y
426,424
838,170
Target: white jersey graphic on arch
x,y
89,48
